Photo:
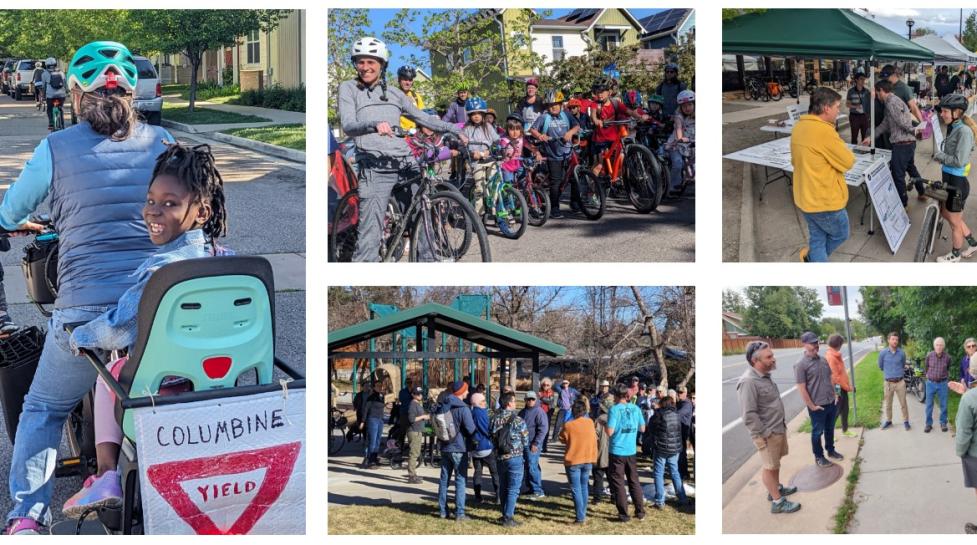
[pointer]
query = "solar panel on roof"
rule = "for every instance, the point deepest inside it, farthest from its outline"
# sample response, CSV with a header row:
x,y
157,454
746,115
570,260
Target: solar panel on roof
x,y
572,15
663,21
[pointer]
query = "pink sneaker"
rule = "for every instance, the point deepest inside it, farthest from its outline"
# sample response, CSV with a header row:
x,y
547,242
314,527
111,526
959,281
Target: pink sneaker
x,y
104,491
23,527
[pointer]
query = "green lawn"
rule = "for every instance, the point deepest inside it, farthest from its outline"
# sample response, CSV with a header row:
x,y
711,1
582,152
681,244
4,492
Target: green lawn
x,y
548,516
174,88
868,392
289,136
205,116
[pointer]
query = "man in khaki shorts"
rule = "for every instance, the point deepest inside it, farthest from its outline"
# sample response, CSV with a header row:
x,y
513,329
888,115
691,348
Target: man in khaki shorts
x,y
763,414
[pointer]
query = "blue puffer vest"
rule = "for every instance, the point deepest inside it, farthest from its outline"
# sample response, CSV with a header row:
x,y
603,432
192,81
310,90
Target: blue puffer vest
x,y
97,193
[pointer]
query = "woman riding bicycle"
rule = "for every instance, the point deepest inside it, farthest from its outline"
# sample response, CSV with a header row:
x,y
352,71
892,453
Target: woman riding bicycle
x,y
96,174
955,158
368,110
684,132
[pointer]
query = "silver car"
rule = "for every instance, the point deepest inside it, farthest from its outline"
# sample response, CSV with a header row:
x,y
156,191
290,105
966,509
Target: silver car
x,y
148,98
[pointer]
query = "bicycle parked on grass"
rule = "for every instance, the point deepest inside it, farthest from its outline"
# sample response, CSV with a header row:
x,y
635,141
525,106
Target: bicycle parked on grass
x,y
632,168
933,221
915,383
593,195
438,217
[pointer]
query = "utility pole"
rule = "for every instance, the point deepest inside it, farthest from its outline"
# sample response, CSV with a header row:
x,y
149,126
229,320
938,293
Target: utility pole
x,y
851,355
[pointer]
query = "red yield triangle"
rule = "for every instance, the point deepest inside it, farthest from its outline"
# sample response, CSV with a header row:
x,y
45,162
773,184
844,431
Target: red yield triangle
x,y
278,461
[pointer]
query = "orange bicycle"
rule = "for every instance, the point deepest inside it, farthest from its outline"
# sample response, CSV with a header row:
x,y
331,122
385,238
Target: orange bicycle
x,y
632,168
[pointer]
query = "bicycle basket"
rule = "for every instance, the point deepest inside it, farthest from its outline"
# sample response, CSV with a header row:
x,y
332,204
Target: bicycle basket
x,y
19,356
40,268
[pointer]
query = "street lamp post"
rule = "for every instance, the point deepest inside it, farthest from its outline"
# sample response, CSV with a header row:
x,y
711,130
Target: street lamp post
x,y
910,23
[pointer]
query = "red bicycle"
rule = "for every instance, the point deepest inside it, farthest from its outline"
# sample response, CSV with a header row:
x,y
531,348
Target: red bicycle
x,y
593,196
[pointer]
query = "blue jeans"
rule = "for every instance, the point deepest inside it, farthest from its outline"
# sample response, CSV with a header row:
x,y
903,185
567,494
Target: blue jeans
x,y
60,382
579,478
675,172
672,463
939,388
456,462
823,423
510,481
827,230
533,471
374,435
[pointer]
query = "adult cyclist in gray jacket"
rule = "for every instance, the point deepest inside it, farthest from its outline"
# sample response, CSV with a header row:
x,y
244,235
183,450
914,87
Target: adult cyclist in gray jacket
x,y
368,111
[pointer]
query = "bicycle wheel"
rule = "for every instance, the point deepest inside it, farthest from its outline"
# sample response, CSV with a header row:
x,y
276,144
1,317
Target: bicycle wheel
x,y
920,390
337,439
446,227
593,193
514,210
644,188
342,229
538,205
925,235
391,221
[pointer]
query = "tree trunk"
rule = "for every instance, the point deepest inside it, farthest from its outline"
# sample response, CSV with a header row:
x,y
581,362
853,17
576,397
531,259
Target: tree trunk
x,y
656,344
195,58
688,376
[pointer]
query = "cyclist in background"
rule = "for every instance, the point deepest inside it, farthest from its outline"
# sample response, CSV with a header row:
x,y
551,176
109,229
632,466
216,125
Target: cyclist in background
x,y
405,80
607,109
54,88
37,79
669,88
531,106
684,132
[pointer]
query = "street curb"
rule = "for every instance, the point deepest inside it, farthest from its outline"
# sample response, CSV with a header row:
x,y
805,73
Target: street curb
x,y
747,250
182,127
262,147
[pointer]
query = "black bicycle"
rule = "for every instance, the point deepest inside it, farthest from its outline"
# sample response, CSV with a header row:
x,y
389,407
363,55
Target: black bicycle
x,y
438,224
915,383
337,430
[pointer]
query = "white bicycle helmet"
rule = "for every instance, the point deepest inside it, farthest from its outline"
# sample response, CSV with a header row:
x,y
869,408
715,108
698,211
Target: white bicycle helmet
x,y
685,97
50,61
369,46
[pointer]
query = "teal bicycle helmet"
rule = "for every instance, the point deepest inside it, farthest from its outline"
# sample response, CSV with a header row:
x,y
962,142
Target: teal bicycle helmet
x,y
102,65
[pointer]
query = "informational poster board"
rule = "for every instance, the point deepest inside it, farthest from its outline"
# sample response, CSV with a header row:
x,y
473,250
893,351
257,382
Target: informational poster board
x,y
224,466
793,114
888,205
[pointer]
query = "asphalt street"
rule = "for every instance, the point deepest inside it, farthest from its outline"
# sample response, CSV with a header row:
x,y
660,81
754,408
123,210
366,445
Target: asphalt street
x,y
737,445
266,215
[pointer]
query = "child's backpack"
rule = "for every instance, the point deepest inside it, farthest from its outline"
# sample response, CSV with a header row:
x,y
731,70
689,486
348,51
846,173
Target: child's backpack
x,y
443,423
503,438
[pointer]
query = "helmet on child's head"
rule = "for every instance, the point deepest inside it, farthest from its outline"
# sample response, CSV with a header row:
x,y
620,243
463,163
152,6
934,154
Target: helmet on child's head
x,y
656,99
515,117
573,103
685,97
632,98
553,97
954,101
475,105
602,83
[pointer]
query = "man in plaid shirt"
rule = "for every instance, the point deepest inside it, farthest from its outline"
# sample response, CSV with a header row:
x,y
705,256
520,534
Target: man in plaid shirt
x,y
937,374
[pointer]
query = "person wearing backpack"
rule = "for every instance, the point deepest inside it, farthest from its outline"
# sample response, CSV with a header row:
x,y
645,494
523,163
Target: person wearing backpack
x,y
537,425
54,88
453,426
37,81
511,438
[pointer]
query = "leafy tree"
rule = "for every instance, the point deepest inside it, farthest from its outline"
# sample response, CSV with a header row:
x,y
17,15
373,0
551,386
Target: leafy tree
x,y
59,33
969,38
732,13
733,302
878,308
344,28
194,31
931,312
782,311
468,48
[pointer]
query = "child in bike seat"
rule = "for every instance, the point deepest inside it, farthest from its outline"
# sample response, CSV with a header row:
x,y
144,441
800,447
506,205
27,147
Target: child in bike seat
x,y
185,215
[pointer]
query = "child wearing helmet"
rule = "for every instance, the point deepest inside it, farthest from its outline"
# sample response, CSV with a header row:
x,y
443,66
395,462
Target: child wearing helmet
x,y
405,80
481,138
955,158
512,145
556,129
684,132
368,112
54,84
608,108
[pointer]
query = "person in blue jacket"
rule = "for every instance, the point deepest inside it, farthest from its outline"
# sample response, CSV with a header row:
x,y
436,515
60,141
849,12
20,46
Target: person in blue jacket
x,y
481,451
454,453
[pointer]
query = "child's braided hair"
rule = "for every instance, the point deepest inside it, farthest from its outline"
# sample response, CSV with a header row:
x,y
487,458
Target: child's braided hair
x,y
196,169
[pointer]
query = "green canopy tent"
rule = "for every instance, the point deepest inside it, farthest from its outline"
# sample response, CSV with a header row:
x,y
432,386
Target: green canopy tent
x,y
819,33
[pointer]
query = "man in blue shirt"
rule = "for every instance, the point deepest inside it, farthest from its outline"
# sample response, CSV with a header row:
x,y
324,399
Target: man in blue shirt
x,y
892,362
624,423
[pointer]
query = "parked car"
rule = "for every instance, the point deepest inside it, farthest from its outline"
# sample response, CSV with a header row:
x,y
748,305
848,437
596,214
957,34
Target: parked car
x,y
148,99
20,85
6,69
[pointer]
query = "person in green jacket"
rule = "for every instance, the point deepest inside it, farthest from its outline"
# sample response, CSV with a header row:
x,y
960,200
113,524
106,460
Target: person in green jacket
x,y
966,440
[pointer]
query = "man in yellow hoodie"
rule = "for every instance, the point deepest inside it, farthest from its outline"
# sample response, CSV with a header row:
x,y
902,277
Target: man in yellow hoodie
x,y
821,158
405,80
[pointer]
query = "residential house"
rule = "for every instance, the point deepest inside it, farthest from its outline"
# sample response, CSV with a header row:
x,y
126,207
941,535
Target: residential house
x,y
733,326
258,60
665,28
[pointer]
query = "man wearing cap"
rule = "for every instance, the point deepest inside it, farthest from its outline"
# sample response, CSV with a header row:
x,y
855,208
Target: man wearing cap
x,y
537,425
602,393
416,418
566,396
762,410
454,452
892,362
859,101
813,376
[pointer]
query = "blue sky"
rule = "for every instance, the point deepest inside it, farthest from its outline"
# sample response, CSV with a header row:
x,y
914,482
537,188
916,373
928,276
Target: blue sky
x,y
380,17
945,22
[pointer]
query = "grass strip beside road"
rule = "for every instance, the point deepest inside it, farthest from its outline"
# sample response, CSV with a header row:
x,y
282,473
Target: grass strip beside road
x,y
543,516
288,136
206,116
868,393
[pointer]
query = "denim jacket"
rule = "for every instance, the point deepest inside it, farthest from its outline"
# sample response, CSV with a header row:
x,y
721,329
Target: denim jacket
x,y
116,328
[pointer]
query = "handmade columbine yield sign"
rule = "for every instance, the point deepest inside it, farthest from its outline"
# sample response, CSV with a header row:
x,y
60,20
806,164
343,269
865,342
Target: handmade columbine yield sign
x,y
226,466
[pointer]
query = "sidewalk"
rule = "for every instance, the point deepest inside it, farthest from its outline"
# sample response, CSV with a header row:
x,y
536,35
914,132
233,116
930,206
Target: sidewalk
x,y
745,506
911,482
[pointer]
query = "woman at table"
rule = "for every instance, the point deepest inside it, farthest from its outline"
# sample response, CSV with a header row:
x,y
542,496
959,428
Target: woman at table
x,y
955,158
